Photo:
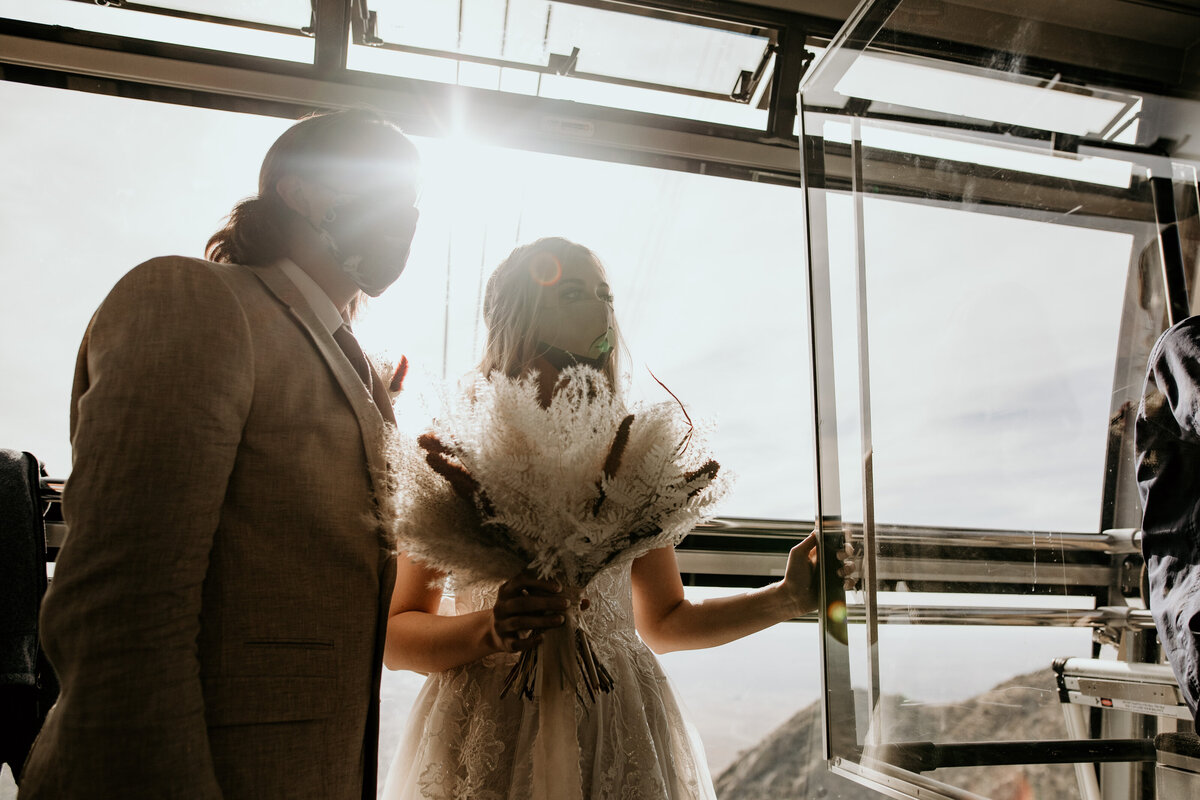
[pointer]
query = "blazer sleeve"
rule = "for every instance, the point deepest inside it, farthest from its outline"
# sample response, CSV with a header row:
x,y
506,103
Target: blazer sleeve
x,y
1173,383
163,389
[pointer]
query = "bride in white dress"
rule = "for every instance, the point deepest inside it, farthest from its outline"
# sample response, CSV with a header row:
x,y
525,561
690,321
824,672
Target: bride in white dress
x,y
548,305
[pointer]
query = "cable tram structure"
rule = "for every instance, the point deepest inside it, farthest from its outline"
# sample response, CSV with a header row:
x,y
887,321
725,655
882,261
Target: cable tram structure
x,y
1079,117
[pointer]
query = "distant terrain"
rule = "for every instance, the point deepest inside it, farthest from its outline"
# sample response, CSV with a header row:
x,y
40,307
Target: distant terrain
x,y
789,763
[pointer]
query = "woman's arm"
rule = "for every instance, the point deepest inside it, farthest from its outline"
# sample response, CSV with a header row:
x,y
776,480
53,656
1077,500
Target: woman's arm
x,y
420,639
668,621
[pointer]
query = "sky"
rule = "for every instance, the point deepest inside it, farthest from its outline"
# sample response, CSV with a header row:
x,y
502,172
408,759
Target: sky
x,y
989,396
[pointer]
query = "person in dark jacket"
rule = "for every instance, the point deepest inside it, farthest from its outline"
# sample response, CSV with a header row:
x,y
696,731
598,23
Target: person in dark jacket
x,y
1168,474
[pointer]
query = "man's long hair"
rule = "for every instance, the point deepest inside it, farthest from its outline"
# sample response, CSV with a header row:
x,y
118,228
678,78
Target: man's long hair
x,y
255,231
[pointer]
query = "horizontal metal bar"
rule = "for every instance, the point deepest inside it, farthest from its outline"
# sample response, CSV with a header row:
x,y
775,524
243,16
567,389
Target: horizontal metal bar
x,y
546,69
927,756
1121,540
1103,669
719,562
695,558
1174,710
773,566
746,20
999,616
195,16
953,570
939,570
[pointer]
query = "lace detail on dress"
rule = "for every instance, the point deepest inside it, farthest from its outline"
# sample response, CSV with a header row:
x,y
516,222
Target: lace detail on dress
x,y
469,730
465,741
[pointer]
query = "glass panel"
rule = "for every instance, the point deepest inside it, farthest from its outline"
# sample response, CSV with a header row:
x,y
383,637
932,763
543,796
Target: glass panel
x,y
611,44
273,30
286,13
624,60
992,421
976,94
987,284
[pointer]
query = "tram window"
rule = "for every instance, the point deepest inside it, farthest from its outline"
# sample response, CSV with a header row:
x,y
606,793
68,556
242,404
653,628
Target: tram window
x,y
599,56
271,28
987,254
991,367
719,318
705,270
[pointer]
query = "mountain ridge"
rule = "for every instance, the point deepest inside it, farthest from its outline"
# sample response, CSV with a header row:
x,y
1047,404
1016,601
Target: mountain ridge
x,y
789,762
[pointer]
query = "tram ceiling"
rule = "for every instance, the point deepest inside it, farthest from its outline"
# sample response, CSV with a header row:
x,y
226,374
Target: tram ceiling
x,y
1146,45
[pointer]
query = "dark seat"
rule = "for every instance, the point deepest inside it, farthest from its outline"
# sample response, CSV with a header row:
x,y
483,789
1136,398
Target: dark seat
x,y
27,684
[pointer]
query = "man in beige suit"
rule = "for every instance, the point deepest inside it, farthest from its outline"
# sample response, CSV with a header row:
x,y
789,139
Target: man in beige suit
x,y
217,613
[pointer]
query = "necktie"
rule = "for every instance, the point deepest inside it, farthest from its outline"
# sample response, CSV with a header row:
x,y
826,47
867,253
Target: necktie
x,y
345,340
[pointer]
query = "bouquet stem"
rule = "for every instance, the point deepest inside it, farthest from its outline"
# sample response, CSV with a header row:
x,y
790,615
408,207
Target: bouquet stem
x,y
583,673
556,773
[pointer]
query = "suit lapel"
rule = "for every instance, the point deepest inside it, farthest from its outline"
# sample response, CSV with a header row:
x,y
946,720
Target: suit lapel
x,y
370,422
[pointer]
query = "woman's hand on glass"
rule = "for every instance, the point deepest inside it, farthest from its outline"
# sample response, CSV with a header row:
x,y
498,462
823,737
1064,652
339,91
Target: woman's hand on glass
x,y
800,576
526,607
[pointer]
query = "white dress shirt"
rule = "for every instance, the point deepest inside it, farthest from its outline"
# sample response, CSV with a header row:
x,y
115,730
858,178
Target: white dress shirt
x,y
317,300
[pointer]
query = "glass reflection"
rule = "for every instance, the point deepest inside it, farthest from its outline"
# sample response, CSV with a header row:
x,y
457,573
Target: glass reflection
x,y
986,280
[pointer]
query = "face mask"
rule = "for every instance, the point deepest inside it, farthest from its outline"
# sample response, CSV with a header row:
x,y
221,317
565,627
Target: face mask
x,y
576,333
597,354
370,240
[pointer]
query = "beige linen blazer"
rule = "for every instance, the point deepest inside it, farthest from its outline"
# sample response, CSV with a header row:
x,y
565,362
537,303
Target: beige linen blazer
x,y
217,613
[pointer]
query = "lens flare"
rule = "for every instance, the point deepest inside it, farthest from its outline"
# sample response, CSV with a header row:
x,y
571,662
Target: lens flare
x,y
545,269
837,612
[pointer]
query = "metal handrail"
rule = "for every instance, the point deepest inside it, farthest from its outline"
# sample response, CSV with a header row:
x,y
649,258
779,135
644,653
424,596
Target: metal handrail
x,y
1117,540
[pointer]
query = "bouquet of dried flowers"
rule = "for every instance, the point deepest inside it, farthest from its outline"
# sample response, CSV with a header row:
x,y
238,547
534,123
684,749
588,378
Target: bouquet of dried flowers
x,y
500,484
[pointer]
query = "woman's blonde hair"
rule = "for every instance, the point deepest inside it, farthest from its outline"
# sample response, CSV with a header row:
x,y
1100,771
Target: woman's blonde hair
x,y
510,304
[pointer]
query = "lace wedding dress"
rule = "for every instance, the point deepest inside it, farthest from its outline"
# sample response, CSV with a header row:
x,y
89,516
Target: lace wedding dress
x,y
464,741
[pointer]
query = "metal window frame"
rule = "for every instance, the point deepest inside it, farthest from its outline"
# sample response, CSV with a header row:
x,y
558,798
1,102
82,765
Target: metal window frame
x,y
1149,202
56,56
364,34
